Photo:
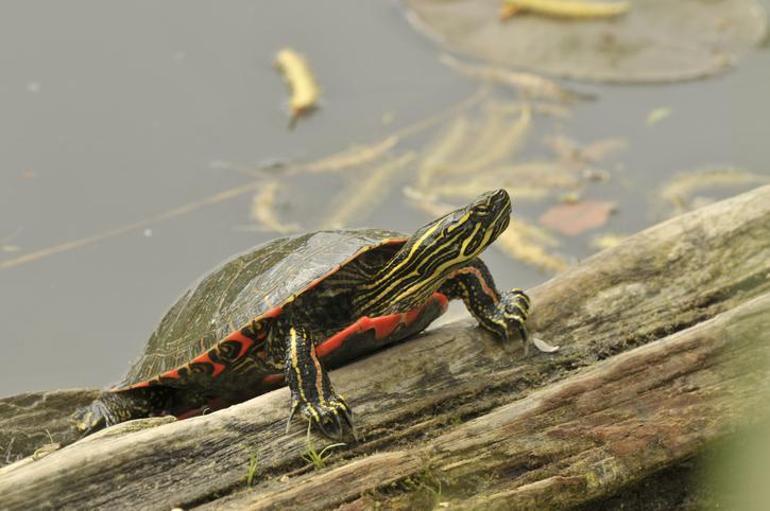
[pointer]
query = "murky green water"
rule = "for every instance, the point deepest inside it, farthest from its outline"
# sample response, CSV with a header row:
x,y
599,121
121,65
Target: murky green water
x,y
114,112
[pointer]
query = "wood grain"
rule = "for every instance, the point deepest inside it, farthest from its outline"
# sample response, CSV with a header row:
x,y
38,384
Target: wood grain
x,y
455,407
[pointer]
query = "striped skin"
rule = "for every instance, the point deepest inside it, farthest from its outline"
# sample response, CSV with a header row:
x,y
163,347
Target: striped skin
x,y
503,314
311,388
383,293
433,253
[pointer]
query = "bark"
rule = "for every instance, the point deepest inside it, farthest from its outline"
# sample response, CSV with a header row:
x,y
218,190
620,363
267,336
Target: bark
x,y
31,420
455,416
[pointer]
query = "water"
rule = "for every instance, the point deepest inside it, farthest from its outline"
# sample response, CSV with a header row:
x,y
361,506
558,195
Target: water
x,y
113,112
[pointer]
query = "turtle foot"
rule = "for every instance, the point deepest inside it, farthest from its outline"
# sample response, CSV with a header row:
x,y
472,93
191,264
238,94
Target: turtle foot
x,y
332,417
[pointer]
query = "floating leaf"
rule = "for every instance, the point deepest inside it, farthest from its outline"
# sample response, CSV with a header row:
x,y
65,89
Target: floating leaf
x,y
529,244
572,153
479,144
570,197
363,195
607,240
569,9
304,91
531,85
679,190
498,141
8,247
354,157
441,151
657,115
656,41
529,180
574,219
464,150
602,149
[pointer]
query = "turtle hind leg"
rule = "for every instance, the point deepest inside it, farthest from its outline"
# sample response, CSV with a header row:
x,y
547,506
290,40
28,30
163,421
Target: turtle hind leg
x,y
112,408
311,391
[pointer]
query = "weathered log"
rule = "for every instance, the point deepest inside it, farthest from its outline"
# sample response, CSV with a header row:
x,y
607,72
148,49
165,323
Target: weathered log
x,y
574,440
33,419
418,401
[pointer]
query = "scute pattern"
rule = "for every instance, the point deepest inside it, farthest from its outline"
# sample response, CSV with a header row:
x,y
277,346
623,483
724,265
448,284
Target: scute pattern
x,y
247,285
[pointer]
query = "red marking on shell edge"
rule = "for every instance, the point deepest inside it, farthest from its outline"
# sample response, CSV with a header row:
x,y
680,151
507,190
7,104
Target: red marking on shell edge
x,y
382,324
140,385
169,375
206,359
275,311
243,340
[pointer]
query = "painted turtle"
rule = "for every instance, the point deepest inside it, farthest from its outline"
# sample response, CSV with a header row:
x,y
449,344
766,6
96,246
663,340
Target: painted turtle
x,y
290,308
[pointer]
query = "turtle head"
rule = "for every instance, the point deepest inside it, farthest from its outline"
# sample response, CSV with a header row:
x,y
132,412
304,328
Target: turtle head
x,y
433,252
464,233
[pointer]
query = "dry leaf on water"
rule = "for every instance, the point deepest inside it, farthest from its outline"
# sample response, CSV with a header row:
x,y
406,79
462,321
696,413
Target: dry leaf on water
x,y
656,41
444,149
571,152
304,90
657,115
529,84
607,240
567,9
529,244
680,189
532,180
356,156
365,194
574,219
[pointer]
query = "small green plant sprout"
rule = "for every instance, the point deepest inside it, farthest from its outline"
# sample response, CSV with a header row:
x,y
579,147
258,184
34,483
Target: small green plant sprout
x,y
251,472
426,488
315,458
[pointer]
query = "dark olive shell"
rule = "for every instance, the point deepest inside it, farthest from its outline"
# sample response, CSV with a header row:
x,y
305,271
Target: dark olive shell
x,y
246,286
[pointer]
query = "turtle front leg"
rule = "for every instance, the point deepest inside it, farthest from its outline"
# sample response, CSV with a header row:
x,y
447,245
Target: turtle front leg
x,y
311,390
504,314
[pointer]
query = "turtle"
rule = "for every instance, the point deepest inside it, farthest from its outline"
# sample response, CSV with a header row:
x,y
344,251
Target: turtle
x,y
291,309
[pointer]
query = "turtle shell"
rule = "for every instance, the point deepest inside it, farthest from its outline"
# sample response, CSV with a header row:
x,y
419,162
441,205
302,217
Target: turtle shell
x,y
254,283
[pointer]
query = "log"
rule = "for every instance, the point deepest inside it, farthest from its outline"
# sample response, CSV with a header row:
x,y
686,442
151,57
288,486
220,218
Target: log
x,y
30,420
572,441
453,415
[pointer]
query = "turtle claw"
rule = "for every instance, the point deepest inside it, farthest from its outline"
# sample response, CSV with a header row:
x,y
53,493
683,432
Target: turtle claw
x,y
332,417
294,407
